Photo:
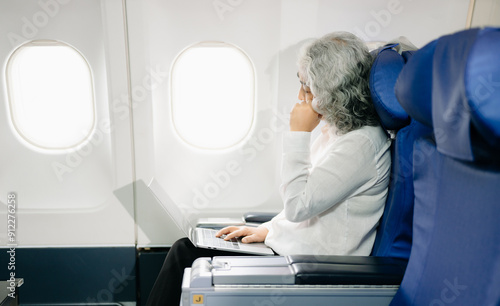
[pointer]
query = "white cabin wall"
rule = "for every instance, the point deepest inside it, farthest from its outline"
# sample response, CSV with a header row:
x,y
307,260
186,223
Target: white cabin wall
x,y
75,205
486,13
185,172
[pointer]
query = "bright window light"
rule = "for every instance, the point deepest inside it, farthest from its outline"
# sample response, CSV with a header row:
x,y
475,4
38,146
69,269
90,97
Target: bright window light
x,y
212,95
51,94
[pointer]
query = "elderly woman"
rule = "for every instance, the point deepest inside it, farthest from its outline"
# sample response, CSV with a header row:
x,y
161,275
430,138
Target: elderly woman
x,y
333,191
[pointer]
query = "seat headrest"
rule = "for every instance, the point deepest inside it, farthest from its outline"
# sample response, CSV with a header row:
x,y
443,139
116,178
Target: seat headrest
x,y
482,85
383,75
414,85
453,84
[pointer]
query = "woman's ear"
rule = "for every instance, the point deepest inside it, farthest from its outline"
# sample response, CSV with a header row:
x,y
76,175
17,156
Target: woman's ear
x,y
314,104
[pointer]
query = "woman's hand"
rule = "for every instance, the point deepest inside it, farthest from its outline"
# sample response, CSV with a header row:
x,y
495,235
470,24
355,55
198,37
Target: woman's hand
x,y
303,118
251,234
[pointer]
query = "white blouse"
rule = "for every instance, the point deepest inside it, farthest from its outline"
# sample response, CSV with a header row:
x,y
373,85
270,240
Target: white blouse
x,y
333,191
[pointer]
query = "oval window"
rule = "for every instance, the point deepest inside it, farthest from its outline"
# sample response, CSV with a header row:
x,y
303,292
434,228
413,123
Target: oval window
x,y
50,94
213,90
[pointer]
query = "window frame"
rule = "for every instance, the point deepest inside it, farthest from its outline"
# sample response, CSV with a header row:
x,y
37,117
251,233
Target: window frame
x,y
10,96
252,88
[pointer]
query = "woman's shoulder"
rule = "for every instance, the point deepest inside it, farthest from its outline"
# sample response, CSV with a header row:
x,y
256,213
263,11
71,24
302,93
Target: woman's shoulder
x,y
368,135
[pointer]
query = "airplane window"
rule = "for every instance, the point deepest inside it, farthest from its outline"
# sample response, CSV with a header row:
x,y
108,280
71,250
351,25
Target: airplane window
x,y
212,95
50,94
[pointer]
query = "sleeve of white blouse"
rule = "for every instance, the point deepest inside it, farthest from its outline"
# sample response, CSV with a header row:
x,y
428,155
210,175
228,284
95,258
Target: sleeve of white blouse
x,y
266,225
308,191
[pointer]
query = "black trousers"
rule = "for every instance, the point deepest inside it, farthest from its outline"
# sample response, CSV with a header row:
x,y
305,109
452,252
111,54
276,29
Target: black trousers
x,y
167,288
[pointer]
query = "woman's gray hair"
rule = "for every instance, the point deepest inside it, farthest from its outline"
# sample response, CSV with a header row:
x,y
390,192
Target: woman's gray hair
x,y
337,68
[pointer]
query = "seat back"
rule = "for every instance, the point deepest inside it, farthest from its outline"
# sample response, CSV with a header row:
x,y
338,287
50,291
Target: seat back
x,y
394,235
452,85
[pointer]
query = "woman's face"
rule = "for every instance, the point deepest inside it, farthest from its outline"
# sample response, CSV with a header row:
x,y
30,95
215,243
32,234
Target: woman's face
x,y
305,93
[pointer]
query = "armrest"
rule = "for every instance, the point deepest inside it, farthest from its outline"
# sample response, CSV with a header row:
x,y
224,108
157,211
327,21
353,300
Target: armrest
x,y
258,217
347,270
308,270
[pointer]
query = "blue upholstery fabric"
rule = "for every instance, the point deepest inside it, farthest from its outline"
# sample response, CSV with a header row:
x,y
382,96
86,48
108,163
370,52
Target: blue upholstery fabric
x,y
423,225
450,112
455,256
383,75
482,85
394,234
415,92
456,73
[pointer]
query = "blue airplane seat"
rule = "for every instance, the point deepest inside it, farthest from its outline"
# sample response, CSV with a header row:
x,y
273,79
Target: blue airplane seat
x,y
452,85
394,235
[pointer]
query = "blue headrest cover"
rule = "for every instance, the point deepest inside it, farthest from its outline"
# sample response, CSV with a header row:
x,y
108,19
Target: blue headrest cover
x,y
414,84
482,85
383,75
453,83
